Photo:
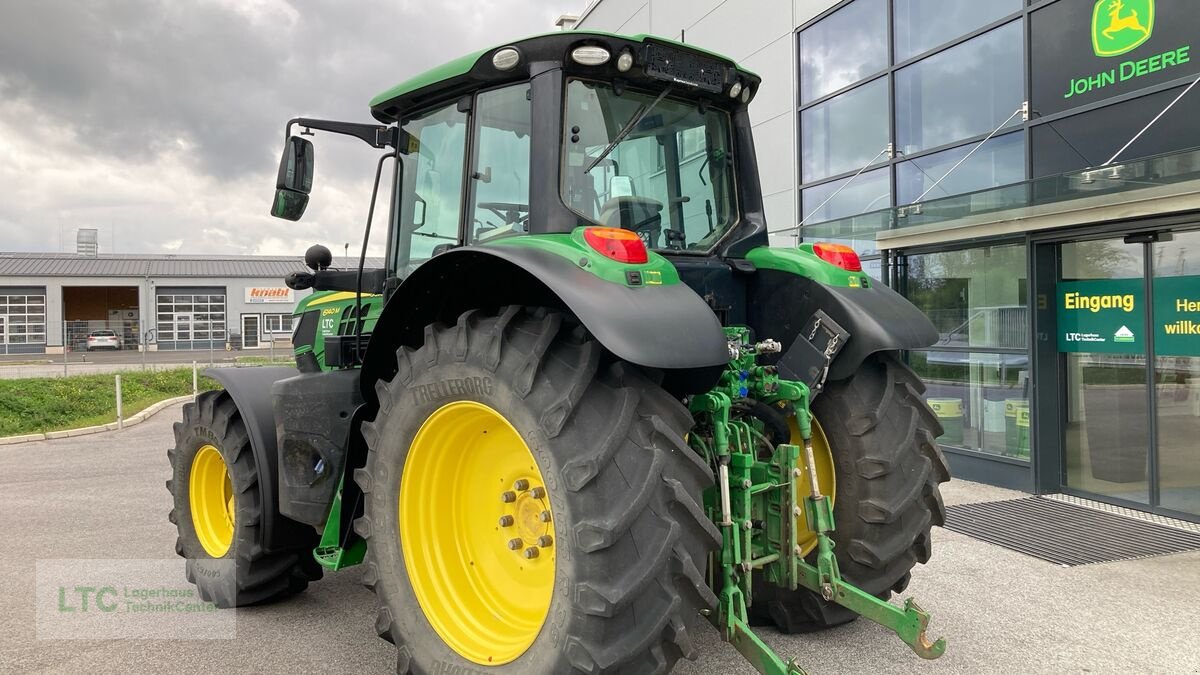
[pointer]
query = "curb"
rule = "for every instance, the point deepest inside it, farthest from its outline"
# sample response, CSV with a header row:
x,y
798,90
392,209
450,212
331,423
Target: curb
x,y
111,426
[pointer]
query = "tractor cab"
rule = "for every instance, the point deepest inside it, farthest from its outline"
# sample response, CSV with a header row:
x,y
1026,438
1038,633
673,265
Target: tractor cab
x,y
568,130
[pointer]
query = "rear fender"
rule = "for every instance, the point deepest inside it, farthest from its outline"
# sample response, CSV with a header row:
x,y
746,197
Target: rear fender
x,y
876,317
666,327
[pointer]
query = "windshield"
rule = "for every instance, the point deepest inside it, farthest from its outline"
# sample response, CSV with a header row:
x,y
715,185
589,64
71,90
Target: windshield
x,y
669,178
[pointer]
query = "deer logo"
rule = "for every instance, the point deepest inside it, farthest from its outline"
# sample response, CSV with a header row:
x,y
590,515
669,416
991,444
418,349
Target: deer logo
x,y
1119,26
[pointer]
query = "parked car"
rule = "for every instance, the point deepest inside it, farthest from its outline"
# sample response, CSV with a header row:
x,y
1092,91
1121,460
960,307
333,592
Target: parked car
x,y
103,339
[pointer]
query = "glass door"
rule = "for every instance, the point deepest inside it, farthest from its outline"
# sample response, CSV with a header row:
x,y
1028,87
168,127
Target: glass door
x,y
183,329
249,331
1127,319
1176,307
1101,309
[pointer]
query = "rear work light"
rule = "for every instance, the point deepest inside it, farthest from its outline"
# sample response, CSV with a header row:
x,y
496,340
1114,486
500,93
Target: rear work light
x,y
838,254
620,245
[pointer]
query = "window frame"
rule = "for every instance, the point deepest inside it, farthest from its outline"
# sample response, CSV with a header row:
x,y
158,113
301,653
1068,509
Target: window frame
x,y
265,325
889,72
731,139
907,70
30,332
397,240
471,166
167,309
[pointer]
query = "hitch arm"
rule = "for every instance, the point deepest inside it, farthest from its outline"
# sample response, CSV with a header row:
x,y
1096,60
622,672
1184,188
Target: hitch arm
x,y
908,624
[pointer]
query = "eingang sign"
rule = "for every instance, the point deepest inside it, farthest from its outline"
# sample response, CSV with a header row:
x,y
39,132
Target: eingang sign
x,y
1109,316
1085,51
1105,315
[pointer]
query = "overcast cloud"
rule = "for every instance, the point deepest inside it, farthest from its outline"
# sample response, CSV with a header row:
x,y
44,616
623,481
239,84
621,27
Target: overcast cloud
x,y
161,123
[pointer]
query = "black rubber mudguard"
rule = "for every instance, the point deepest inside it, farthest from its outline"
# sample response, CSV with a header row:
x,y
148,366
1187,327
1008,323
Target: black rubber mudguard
x,y
877,318
313,417
661,327
251,391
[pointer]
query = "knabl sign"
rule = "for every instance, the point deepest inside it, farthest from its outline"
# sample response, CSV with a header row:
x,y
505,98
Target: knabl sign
x,y
269,294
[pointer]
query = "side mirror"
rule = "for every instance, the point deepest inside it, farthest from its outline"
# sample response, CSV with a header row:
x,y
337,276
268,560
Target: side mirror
x,y
289,205
620,186
296,166
294,180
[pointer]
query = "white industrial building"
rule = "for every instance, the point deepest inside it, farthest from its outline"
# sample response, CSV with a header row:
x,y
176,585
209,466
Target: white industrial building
x,y
51,301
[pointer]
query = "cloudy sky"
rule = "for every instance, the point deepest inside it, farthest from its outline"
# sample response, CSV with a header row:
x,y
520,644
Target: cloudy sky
x,y
160,123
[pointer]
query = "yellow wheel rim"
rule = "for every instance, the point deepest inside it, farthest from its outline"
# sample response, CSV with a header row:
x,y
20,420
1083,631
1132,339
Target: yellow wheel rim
x,y
210,493
476,531
823,458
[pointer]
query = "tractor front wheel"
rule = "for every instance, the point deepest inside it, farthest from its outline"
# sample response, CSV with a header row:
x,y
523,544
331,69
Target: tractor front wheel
x,y
531,508
220,512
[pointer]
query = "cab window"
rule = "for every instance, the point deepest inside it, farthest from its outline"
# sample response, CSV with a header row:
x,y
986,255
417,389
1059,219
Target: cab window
x,y
499,176
431,187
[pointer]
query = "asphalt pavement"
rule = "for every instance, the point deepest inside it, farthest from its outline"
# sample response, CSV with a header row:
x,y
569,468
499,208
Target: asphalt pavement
x,y
102,497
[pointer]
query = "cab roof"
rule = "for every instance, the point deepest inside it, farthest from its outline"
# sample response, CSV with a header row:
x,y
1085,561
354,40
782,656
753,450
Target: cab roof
x,y
473,71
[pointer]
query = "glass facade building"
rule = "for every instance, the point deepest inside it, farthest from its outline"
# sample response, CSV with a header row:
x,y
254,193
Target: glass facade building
x,y
1006,165
948,103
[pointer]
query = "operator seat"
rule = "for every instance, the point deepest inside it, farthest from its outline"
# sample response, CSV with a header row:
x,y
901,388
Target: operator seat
x,y
642,215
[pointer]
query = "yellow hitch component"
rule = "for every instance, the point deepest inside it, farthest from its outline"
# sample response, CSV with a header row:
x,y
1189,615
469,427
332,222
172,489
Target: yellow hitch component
x,y
477,533
210,495
806,539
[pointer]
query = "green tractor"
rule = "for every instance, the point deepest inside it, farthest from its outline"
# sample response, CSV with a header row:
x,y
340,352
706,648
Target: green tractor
x,y
583,405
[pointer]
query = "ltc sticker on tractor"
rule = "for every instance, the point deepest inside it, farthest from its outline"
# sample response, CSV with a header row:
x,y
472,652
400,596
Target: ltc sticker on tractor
x,y
1108,315
1104,315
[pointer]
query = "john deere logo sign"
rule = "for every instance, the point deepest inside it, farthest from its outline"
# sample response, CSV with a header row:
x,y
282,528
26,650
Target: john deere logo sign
x,y
1120,26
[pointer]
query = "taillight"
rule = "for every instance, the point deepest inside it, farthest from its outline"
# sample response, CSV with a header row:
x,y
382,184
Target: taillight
x,y
620,245
838,254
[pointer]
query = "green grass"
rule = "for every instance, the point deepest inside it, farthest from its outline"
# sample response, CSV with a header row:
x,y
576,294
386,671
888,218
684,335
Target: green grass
x,y
41,404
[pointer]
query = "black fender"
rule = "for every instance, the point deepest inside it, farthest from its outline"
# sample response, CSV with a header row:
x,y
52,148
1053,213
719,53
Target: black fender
x,y
877,318
251,391
314,425
667,327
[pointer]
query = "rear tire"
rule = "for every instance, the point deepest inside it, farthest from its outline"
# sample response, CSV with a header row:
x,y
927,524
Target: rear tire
x,y
888,467
249,572
631,537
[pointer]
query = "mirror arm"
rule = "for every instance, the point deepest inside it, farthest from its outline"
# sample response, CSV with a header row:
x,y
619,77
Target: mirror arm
x,y
373,135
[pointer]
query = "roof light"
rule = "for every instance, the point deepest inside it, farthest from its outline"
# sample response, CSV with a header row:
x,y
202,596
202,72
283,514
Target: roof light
x,y
625,61
506,59
838,254
746,94
590,56
620,245
735,89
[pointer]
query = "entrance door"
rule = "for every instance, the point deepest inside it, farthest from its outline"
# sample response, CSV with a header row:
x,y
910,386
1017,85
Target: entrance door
x,y
3,335
1101,333
1176,290
1127,319
183,329
249,331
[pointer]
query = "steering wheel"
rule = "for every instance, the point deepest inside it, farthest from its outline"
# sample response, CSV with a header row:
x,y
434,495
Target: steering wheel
x,y
510,212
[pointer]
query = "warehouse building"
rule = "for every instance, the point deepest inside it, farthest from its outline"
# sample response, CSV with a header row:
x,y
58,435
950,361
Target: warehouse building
x,y
51,302
1026,173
